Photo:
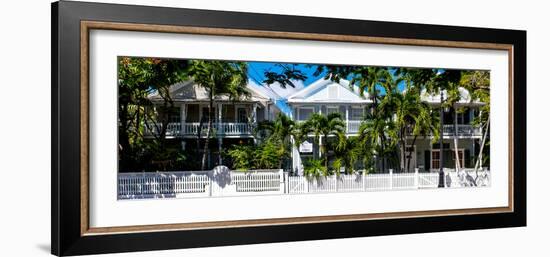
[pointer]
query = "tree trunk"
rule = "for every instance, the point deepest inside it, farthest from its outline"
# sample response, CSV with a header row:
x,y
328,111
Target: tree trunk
x,y
403,149
410,153
455,142
479,161
124,140
208,132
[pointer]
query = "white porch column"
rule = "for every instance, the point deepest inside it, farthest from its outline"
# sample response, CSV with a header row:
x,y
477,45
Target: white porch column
x,y
431,150
183,112
254,110
219,118
347,118
266,112
296,161
220,131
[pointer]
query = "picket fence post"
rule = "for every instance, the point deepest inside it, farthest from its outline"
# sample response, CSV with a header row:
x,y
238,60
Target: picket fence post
x,y
211,178
416,185
336,183
281,181
391,179
364,180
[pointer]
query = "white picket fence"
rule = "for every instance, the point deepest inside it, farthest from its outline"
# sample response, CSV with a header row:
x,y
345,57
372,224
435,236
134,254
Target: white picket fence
x,y
198,184
358,183
260,182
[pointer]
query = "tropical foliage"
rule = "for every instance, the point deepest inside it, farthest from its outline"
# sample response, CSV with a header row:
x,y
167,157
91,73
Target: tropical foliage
x,y
386,137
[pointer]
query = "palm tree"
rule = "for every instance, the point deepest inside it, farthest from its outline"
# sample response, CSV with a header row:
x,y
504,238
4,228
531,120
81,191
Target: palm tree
x,y
315,168
347,152
445,81
478,84
426,123
281,131
218,77
377,135
322,127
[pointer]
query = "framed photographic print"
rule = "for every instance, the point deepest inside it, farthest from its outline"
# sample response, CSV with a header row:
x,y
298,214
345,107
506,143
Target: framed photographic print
x,y
178,128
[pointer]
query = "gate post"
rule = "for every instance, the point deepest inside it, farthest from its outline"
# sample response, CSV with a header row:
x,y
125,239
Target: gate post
x,y
281,181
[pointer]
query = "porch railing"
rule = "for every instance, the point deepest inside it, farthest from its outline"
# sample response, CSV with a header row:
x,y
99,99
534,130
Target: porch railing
x,y
462,130
192,128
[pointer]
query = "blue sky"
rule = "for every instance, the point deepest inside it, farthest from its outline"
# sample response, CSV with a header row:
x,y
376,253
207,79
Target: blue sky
x,y
256,72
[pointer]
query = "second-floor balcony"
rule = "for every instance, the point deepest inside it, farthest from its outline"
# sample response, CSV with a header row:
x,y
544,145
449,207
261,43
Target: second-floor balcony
x,y
190,129
463,130
351,126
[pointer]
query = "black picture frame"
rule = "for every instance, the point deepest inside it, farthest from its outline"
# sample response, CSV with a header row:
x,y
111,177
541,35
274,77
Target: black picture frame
x,y
66,235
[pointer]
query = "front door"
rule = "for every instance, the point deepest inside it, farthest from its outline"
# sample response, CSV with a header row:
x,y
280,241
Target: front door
x,y
412,151
242,116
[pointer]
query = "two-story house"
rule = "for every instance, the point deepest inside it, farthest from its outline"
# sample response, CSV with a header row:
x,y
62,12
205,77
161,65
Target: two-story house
x,y
427,156
234,119
326,96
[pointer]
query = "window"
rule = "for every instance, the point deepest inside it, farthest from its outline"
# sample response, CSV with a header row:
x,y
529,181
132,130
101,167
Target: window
x,y
242,116
175,117
304,113
460,157
449,155
463,117
205,114
435,159
356,113
332,109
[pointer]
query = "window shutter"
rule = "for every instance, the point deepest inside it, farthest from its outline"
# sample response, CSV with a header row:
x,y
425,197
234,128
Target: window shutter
x,y
427,158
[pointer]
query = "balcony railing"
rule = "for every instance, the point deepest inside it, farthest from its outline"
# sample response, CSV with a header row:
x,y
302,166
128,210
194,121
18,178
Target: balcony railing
x,y
462,130
352,126
192,128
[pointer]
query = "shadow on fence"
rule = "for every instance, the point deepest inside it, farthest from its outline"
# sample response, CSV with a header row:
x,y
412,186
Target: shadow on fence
x,y
222,182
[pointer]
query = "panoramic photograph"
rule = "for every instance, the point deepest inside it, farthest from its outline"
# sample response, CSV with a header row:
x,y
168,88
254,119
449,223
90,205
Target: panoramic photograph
x,y
212,128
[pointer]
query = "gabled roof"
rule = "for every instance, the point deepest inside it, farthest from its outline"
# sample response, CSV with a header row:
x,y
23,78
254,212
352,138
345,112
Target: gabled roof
x,y
465,98
328,91
189,91
287,90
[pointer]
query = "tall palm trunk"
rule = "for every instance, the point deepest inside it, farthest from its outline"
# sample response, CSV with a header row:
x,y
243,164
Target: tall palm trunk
x,y
413,144
479,161
324,151
455,141
208,132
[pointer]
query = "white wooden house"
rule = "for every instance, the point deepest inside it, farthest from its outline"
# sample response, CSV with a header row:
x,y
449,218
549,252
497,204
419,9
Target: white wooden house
x,y
427,155
234,119
326,96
